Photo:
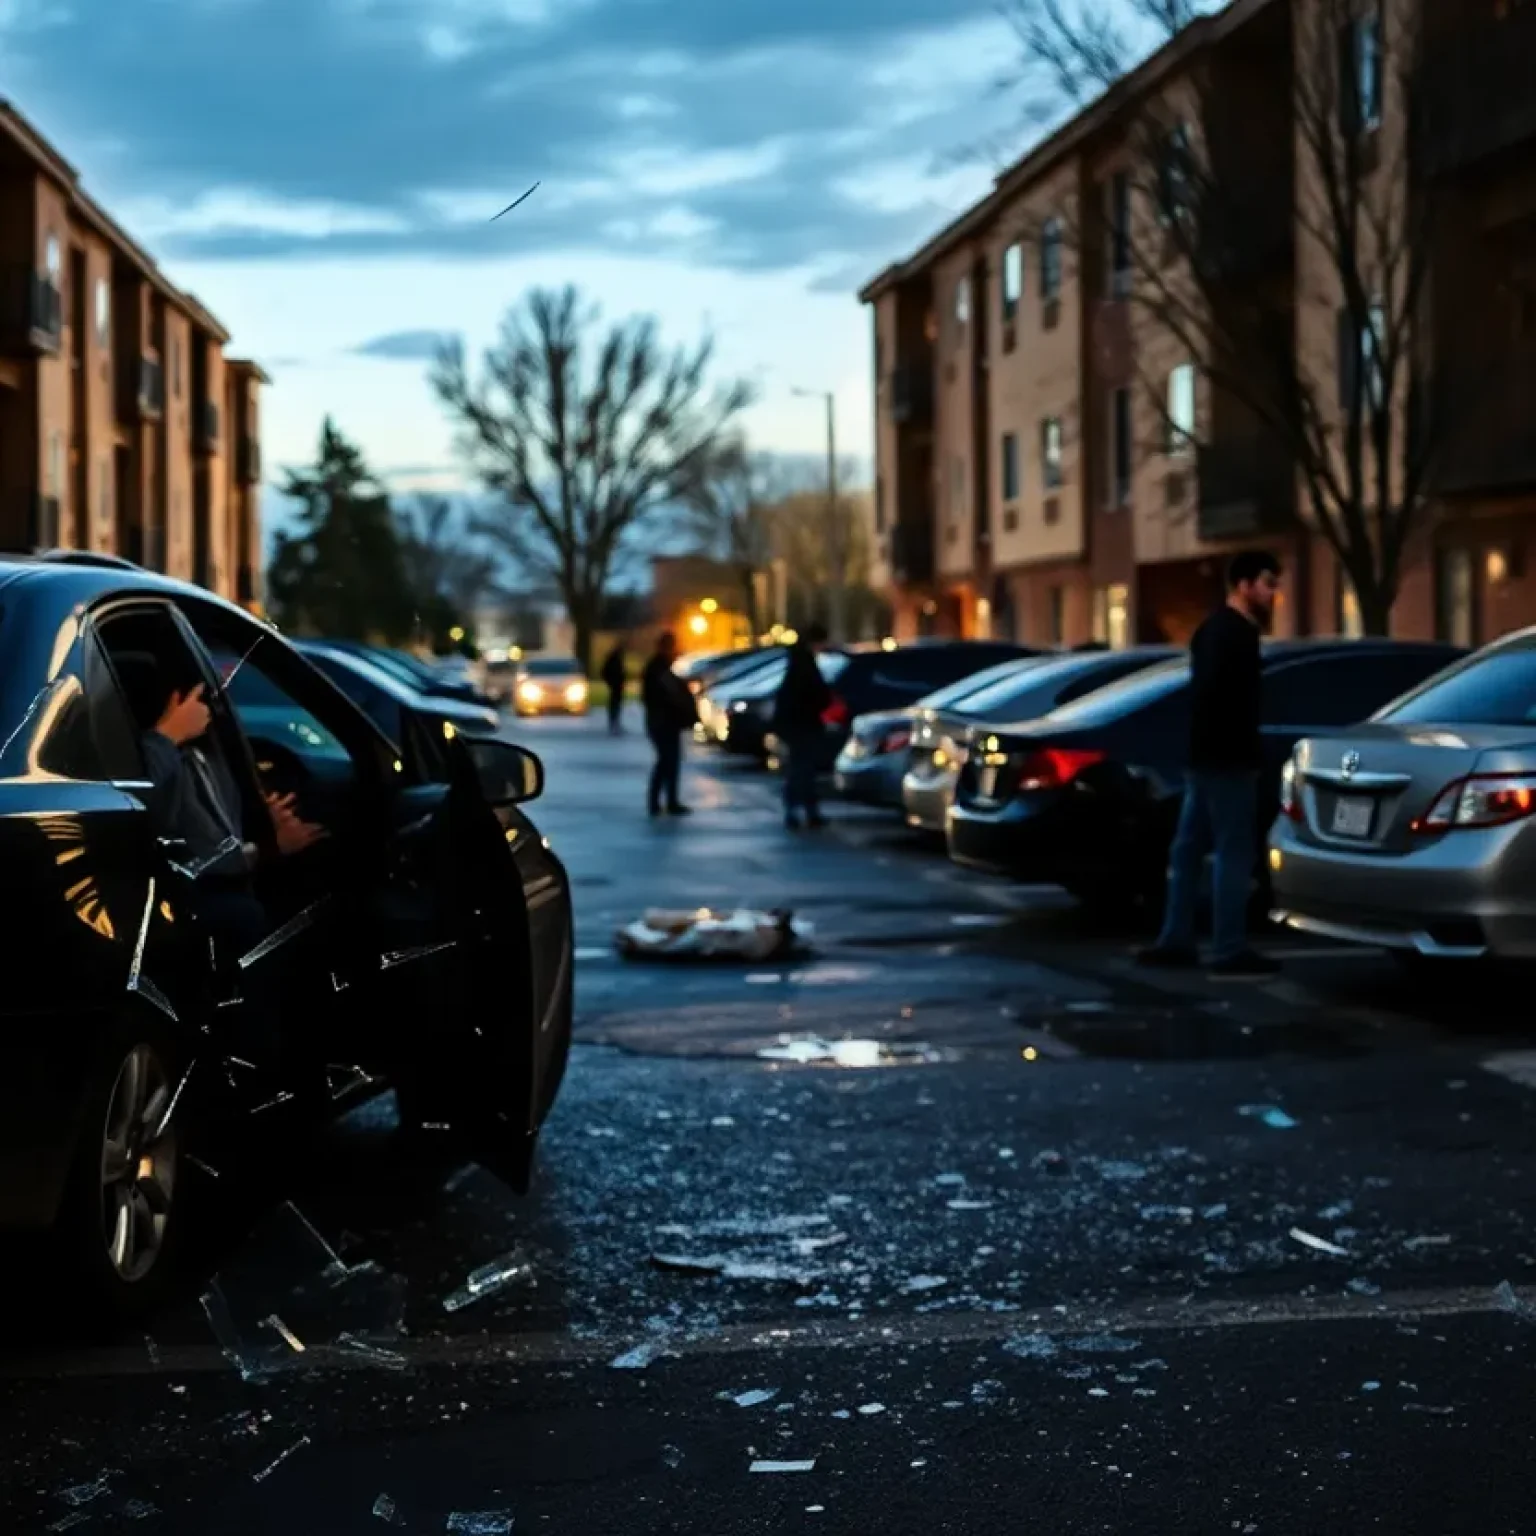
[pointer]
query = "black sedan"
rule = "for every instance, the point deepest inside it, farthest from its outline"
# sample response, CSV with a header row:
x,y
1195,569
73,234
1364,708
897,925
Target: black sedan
x,y
1087,796
416,673
426,941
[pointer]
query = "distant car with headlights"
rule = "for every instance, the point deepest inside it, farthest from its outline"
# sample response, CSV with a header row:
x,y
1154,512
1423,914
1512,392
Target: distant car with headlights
x,y
550,685
1417,830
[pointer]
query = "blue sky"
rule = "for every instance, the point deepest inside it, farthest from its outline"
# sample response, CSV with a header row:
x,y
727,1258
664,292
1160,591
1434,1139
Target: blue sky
x,y
322,173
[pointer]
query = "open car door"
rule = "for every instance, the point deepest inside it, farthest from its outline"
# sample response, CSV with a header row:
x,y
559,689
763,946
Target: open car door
x,y
462,971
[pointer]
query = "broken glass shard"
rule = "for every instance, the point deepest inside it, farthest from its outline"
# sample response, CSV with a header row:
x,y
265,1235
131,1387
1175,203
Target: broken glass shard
x,y
271,1467
641,1356
489,1522
511,1268
783,1466
1320,1244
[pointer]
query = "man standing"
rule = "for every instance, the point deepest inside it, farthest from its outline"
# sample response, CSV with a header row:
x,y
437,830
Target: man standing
x,y
613,674
669,711
802,700
1221,789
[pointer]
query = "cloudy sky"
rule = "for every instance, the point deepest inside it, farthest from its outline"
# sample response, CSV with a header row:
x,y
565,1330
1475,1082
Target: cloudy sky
x,y
322,174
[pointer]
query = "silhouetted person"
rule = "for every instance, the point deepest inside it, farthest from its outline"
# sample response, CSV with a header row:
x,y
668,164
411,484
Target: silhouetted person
x,y
669,711
1221,788
613,675
803,698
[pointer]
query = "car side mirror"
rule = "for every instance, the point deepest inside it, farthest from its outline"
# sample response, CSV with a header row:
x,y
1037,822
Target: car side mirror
x,y
508,774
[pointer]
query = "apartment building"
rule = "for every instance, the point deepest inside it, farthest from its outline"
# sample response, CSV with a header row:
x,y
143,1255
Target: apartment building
x,y
1052,461
124,428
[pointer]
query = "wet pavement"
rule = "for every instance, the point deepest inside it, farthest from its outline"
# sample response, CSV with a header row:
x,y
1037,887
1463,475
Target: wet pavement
x,y
1130,1256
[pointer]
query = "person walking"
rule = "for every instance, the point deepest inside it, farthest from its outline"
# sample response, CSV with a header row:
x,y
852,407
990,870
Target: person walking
x,y
614,675
1220,807
669,711
798,707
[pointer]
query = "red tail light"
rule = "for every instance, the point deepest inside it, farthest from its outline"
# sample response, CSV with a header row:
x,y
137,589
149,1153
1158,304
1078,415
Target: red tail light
x,y
1052,768
893,741
1290,797
1486,800
836,713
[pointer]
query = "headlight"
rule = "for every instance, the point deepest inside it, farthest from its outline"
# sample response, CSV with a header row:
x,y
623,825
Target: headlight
x,y
739,707
529,693
576,693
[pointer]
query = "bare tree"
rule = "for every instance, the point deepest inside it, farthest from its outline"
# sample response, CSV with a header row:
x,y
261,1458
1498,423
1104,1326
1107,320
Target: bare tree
x,y
450,571
1351,425
582,432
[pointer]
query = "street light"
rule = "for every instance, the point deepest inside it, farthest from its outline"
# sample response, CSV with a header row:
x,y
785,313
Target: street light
x,y
709,605
836,558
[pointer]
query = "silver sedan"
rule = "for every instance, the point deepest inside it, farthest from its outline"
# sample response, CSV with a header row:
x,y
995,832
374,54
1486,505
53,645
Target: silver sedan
x,y
1417,831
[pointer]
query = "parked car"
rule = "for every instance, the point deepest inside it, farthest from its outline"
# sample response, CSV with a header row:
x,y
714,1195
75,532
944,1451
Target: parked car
x,y
430,935
1417,830
1087,796
550,685
714,688
385,699
873,759
418,674
1030,689
735,714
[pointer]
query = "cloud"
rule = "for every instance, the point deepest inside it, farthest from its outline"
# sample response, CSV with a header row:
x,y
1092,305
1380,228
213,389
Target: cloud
x,y
405,346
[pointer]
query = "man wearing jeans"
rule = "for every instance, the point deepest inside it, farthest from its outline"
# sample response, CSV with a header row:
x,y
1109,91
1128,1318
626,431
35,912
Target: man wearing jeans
x,y
798,707
1220,806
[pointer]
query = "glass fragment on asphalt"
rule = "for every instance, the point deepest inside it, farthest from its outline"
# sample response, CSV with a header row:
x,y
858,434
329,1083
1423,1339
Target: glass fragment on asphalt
x,y
869,1410
753,1398
684,1264
783,1466
511,1268
1321,1244
280,936
70,1521
672,1456
87,1493
1031,1346
920,1283
384,1509
969,1205
488,1522
1508,1300
1271,1115
641,1356
271,1467
279,1327
374,1354
1363,1287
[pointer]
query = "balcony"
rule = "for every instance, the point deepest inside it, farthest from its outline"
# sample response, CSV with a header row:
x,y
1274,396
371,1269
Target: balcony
x,y
1475,96
911,396
142,388
207,427
248,462
912,550
1483,423
1247,487
31,315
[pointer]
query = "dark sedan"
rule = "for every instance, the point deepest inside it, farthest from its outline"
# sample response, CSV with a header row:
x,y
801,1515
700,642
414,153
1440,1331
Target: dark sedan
x,y
385,697
1087,796
426,942
940,736
416,673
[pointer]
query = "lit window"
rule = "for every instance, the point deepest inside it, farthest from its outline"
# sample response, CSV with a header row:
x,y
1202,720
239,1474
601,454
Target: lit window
x,y
1181,409
1050,452
1013,279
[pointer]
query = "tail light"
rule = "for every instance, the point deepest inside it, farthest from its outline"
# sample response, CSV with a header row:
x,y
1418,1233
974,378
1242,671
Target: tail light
x,y
1051,769
893,741
1485,800
1290,792
836,713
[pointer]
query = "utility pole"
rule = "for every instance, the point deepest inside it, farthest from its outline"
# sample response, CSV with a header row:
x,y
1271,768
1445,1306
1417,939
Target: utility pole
x,y
837,551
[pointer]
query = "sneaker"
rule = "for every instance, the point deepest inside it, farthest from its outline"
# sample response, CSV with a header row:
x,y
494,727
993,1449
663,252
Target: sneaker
x,y
1167,957
1248,965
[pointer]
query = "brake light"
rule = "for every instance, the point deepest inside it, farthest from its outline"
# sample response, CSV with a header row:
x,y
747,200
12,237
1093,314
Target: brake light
x,y
836,713
893,741
1485,800
1052,768
1290,793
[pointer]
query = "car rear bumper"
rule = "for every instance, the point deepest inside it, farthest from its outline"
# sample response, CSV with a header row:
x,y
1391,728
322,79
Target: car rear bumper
x,y
870,780
925,801
1457,897
1024,838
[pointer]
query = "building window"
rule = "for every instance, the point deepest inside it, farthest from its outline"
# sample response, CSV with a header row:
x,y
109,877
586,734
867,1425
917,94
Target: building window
x,y
55,463
1456,598
1120,447
1050,260
1361,73
103,313
1174,177
1181,410
1050,452
1346,607
1013,279
1111,615
176,366
1119,218
52,259
1010,466
1057,598
1362,359
963,301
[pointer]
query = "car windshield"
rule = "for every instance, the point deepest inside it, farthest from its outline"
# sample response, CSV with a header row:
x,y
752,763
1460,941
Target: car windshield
x,y
551,666
951,694
1120,698
1491,688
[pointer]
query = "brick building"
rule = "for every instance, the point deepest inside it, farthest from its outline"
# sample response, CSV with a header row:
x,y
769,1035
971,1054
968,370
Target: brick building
x,y
1051,461
124,428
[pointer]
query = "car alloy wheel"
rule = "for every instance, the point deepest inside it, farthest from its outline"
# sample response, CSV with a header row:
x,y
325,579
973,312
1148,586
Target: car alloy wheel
x,y
139,1151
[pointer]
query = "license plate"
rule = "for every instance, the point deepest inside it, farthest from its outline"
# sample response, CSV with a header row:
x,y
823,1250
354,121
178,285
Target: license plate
x,y
1352,816
986,783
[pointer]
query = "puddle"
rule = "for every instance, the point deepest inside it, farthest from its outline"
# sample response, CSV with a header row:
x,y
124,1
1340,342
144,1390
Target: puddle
x,y
811,1050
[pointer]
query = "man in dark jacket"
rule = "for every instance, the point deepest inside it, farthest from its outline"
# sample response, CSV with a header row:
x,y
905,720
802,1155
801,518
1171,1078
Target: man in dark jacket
x,y
803,698
613,674
1221,788
669,711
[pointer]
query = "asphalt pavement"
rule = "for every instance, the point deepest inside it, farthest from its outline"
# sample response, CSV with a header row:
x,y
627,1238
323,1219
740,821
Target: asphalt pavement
x,y
1079,1250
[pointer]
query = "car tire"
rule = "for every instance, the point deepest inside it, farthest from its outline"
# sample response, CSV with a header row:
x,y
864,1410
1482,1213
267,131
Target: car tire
x,y
121,1224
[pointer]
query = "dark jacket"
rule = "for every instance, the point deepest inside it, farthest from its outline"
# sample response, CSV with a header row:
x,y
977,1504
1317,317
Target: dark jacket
x,y
1226,695
613,668
196,800
668,704
803,697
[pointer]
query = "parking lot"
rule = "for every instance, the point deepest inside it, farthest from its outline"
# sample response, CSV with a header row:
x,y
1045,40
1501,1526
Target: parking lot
x,y
1137,1253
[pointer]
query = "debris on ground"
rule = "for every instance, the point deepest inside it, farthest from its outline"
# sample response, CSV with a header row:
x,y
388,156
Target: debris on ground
x,y
1271,1115
743,933
1321,1244
510,1269
490,1522
752,1399
641,1356
1507,1300
271,1467
782,1466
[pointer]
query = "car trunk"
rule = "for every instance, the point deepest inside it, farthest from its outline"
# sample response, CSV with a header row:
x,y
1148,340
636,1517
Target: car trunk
x,y
1366,789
